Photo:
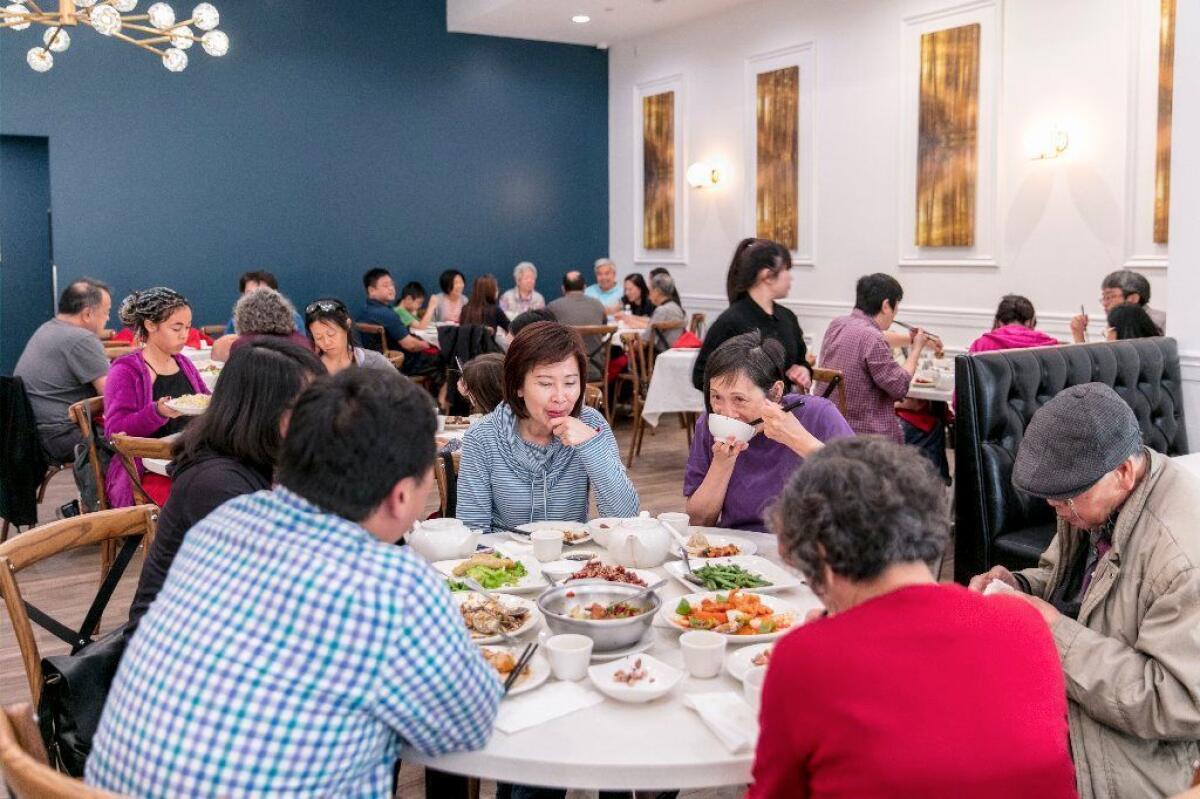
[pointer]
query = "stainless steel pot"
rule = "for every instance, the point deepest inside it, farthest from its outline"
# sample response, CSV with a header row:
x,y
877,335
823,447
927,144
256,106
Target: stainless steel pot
x,y
606,634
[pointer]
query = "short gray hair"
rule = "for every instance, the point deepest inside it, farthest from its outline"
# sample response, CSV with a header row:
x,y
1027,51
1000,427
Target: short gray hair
x,y
83,293
858,506
1129,282
603,262
524,266
264,311
663,283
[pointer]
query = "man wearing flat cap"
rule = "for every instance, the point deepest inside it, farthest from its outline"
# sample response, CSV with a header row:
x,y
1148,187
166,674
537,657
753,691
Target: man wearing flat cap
x,y
1120,588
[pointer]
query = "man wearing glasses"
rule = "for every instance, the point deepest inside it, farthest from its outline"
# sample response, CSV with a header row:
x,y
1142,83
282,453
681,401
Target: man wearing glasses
x,y
1120,588
1123,286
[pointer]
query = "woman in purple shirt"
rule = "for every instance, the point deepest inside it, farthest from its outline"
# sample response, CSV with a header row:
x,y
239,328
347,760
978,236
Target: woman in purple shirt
x,y
730,483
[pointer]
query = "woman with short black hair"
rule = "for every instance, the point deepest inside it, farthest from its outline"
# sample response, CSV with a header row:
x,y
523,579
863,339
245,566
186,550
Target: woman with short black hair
x,y
447,305
330,330
230,450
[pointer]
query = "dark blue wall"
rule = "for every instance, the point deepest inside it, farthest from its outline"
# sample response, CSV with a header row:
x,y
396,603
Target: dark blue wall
x,y
26,294
333,137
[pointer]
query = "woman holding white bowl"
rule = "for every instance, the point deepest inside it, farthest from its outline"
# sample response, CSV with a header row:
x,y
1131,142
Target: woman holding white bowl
x,y
731,478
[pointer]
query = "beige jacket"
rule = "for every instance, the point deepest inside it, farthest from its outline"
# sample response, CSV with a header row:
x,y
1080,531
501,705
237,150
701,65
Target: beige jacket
x,y
1132,660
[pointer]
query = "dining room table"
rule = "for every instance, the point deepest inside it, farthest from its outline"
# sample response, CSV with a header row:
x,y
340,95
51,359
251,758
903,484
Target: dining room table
x,y
659,745
671,389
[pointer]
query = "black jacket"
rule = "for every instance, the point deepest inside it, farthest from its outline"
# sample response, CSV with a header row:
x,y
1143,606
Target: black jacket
x,y
744,316
24,463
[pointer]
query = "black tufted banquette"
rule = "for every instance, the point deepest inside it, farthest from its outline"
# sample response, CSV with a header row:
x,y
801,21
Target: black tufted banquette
x,y
998,393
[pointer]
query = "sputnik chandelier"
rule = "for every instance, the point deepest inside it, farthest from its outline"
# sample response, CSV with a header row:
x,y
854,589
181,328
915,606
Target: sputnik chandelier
x,y
159,32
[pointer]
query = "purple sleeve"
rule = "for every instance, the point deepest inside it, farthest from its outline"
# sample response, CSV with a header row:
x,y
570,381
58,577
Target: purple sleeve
x,y
827,423
700,458
125,409
889,376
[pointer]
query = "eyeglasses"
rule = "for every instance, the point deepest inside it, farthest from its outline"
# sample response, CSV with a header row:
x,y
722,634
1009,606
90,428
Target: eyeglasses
x,y
328,306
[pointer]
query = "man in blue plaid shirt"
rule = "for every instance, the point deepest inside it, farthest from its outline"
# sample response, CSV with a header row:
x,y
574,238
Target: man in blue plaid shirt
x,y
294,648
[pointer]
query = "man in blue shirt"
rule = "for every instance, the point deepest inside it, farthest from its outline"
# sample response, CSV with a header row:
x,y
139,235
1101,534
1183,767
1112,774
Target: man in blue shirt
x,y
380,310
249,281
606,289
294,649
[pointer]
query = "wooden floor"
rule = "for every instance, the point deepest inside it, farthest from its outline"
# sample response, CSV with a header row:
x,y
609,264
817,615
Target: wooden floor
x,y
64,586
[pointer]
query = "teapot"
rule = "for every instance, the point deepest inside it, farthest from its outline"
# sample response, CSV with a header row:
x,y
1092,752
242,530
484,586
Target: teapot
x,y
639,543
443,539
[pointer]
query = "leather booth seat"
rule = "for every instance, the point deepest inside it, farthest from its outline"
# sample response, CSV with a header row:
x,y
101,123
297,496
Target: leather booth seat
x,y
997,395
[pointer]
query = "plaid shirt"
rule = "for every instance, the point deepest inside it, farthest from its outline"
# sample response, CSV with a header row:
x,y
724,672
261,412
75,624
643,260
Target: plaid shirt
x,y
874,381
290,652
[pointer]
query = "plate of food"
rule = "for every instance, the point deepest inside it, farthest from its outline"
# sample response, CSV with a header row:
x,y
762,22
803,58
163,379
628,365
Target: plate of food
x,y
635,678
457,422
504,659
724,574
495,573
487,618
714,545
746,617
190,404
573,532
741,660
924,380
595,570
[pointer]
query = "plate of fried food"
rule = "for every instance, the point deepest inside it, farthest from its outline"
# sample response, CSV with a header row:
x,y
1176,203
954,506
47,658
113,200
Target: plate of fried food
x,y
190,404
714,545
504,659
488,619
747,618
573,532
595,570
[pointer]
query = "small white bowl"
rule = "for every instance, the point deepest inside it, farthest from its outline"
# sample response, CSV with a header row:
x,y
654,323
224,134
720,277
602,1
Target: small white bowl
x,y
722,427
560,570
665,678
600,528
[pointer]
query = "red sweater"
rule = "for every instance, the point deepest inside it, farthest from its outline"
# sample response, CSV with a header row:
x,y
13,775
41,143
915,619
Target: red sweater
x,y
929,691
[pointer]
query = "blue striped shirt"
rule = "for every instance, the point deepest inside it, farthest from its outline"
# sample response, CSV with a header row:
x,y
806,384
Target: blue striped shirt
x,y
290,653
506,479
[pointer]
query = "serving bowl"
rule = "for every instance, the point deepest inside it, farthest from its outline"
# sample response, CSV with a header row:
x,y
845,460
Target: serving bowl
x,y
606,634
722,427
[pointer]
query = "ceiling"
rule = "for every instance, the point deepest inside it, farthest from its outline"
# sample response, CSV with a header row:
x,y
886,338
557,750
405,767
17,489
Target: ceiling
x,y
550,20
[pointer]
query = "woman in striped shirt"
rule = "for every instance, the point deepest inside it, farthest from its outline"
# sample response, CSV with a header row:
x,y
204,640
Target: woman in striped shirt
x,y
537,456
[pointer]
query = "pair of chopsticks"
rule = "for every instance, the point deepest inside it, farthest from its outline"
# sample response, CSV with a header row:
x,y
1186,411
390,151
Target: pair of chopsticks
x,y
497,527
911,329
791,406
522,662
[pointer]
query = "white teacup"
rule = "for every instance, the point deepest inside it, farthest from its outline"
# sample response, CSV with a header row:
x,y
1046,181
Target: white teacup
x,y
547,544
441,423
679,522
703,653
569,655
752,686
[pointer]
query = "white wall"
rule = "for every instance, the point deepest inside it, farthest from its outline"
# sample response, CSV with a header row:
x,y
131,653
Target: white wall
x,y
1058,226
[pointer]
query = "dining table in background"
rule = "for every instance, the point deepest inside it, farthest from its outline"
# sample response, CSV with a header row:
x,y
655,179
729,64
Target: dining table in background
x,y
671,389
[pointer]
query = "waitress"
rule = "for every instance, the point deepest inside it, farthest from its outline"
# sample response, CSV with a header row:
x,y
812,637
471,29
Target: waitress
x,y
730,483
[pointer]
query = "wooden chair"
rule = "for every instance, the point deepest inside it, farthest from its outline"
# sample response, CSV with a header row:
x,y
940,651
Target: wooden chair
x,y
130,447
26,769
106,334
658,336
638,378
834,380
593,397
112,353
215,331
52,539
599,356
82,413
696,325
443,483
378,331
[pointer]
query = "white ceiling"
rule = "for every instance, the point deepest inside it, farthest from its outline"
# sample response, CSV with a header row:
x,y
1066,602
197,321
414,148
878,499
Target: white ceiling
x,y
550,20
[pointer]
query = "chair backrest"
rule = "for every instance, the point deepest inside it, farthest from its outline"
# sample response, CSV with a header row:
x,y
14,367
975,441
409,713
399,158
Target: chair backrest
x,y
376,333
130,447
696,325
112,353
834,380
997,394
597,343
593,397
25,767
443,481
82,413
636,351
52,539
658,336
213,331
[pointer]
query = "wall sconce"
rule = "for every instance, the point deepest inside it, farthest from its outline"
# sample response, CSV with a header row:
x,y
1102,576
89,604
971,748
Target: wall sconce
x,y
701,175
1049,144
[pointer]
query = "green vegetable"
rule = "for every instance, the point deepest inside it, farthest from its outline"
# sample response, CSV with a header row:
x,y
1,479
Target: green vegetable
x,y
766,626
725,577
683,608
701,624
497,578
455,585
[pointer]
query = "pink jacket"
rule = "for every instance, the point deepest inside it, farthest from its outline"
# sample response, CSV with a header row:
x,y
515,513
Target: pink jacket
x,y
129,409
1012,337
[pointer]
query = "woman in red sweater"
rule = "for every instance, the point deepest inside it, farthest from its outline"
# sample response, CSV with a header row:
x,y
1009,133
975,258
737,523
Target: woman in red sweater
x,y
906,688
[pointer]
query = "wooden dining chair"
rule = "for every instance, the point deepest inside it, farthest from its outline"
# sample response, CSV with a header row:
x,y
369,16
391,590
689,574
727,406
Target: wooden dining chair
x,y
52,539
214,331
658,338
834,380
84,414
380,335
637,377
696,325
26,769
597,344
130,447
447,484
593,397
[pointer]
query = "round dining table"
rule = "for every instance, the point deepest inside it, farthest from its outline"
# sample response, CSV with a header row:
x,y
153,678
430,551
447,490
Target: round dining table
x,y
659,745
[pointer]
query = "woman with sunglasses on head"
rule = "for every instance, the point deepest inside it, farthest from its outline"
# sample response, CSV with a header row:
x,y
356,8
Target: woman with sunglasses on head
x,y
330,331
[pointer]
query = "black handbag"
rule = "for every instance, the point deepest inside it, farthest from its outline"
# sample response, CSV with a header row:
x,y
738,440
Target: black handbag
x,y
75,686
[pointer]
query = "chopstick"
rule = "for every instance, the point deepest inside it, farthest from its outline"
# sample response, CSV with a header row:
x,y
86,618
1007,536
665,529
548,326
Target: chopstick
x,y
522,662
910,328
506,529
1083,312
791,406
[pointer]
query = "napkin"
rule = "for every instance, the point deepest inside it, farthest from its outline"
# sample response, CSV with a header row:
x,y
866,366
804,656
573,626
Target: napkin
x,y
545,704
998,587
729,717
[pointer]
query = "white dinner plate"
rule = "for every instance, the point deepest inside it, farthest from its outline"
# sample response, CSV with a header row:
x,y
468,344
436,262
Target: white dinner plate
x,y
745,547
533,619
539,671
187,410
573,526
648,577
778,577
670,618
660,679
532,581
741,660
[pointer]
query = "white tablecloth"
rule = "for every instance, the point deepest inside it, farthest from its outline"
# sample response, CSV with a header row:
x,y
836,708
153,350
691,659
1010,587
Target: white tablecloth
x,y
671,389
613,746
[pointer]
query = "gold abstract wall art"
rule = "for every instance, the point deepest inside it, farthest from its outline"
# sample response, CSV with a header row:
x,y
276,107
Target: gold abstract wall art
x,y
777,121
1166,85
947,148
658,171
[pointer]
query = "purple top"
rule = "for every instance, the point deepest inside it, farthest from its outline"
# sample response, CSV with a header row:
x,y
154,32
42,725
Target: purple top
x,y
129,408
760,472
873,379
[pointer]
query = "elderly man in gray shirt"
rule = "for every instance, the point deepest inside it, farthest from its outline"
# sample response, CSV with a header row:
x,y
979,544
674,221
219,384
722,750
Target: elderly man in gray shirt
x,y
575,309
64,363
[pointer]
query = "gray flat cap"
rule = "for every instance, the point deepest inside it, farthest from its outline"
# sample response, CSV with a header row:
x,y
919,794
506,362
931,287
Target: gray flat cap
x,y
1075,439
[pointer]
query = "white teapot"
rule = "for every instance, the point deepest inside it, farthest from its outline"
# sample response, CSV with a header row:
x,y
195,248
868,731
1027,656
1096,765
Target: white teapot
x,y
443,539
640,543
